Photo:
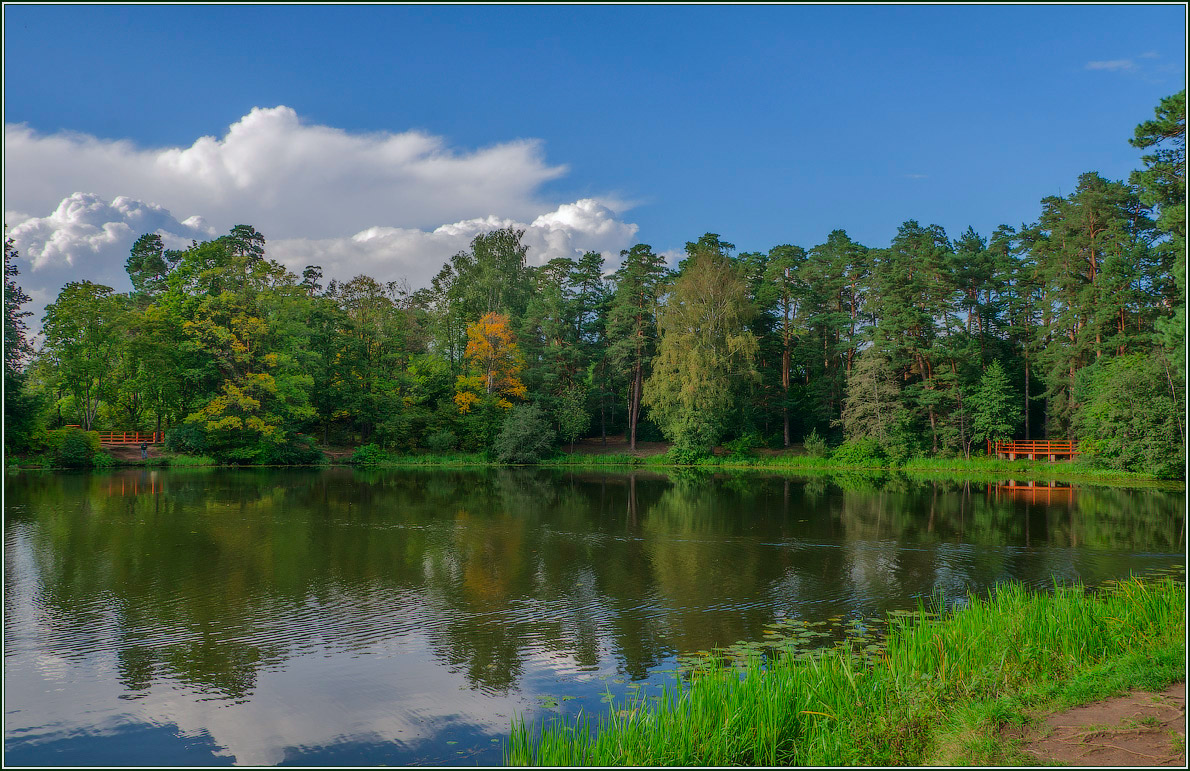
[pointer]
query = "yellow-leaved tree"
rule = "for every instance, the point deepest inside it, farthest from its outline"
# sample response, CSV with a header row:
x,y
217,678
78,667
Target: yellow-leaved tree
x,y
494,364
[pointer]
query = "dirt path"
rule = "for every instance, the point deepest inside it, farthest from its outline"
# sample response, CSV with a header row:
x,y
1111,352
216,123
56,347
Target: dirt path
x,y
1139,729
132,451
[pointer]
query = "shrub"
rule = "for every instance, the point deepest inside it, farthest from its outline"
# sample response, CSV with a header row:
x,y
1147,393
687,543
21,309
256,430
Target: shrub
x,y
525,436
442,441
861,452
72,447
297,452
741,447
102,460
684,456
187,438
816,446
369,455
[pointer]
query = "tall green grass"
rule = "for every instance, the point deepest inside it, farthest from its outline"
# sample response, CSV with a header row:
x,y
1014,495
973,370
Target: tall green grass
x,y
435,459
831,709
189,461
591,459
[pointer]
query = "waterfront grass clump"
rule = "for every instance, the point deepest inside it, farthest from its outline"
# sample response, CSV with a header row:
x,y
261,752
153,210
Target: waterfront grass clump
x,y
939,692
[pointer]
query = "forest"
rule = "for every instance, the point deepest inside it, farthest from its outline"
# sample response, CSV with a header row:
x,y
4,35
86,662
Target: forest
x,y
1072,326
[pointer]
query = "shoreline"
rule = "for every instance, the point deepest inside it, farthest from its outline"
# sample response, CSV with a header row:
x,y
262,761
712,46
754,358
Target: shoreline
x,y
981,470
944,691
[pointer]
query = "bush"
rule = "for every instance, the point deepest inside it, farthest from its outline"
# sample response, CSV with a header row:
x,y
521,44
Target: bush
x,y
525,437
442,441
72,447
816,446
369,455
298,452
740,448
684,456
861,452
187,439
102,460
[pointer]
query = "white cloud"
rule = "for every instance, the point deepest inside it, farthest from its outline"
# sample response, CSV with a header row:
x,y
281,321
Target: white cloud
x,y
84,225
286,178
390,253
307,188
1113,65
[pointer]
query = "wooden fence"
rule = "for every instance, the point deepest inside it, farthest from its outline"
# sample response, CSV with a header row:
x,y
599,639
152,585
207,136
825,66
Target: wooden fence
x,y
131,437
1034,448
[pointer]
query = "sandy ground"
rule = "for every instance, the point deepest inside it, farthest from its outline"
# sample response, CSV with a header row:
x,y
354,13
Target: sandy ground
x,y
1139,729
132,451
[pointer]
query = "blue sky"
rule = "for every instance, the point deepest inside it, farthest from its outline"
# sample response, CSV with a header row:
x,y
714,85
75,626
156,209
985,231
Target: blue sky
x,y
766,124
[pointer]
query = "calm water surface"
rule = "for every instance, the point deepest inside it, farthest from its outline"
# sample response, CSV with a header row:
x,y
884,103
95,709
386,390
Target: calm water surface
x,y
332,617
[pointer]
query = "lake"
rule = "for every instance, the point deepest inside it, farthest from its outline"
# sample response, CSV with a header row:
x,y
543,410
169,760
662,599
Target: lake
x,y
347,617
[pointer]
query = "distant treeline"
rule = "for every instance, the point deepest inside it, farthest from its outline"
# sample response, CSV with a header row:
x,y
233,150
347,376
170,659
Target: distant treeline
x,y
1071,326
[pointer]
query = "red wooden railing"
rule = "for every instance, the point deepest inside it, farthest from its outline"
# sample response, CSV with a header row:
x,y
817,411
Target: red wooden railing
x,y
127,437
131,437
1034,447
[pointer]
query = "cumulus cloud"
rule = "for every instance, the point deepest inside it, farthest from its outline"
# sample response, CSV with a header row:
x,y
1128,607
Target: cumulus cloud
x,y
84,225
353,203
1112,65
389,253
285,177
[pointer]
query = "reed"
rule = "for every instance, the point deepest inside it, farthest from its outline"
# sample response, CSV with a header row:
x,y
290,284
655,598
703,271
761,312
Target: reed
x,y
1008,651
435,459
592,460
190,461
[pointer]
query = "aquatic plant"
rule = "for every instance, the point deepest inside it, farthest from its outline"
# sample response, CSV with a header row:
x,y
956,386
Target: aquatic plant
x,y
878,706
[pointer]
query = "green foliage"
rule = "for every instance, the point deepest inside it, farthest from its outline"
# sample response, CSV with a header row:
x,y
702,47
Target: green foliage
x,y
72,447
1132,416
876,409
926,347
815,445
188,461
685,456
861,453
742,447
187,439
525,437
571,414
299,451
706,351
839,707
369,455
995,409
442,441
22,407
83,331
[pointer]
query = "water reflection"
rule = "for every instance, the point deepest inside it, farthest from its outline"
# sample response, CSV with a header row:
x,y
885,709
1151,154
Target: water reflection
x,y
374,617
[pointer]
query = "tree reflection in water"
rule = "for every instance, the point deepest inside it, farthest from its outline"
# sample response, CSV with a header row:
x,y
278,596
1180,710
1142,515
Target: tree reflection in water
x,y
206,578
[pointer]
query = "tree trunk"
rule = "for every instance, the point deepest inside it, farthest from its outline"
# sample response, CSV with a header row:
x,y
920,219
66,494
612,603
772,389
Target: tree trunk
x,y
1027,395
634,399
785,385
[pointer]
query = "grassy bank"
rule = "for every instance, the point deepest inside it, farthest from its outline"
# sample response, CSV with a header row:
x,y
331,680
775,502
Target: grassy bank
x,y
991,468
940,693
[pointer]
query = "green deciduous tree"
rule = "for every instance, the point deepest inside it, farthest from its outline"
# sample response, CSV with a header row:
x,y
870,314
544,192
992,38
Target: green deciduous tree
x,y
1129,419
84,329
21,406
706,350
525,436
